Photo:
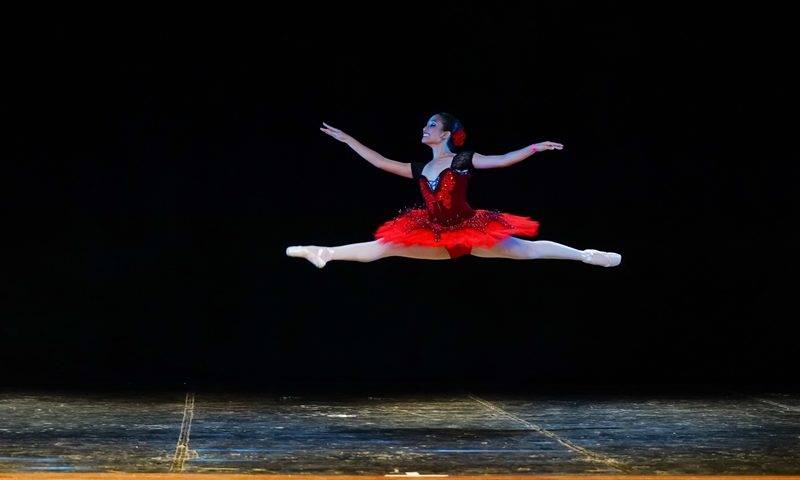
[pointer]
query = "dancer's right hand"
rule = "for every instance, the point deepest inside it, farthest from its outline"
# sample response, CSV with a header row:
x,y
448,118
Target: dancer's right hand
x,y
336,133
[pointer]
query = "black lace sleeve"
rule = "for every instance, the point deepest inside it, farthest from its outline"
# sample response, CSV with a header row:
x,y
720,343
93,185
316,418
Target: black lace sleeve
x,y
416,169
463,161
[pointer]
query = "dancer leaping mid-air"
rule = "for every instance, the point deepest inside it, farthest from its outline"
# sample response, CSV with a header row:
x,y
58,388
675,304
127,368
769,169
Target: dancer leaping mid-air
x,y
447,227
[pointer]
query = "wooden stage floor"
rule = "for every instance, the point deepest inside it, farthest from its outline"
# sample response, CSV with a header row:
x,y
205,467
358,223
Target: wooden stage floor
x,y
47,435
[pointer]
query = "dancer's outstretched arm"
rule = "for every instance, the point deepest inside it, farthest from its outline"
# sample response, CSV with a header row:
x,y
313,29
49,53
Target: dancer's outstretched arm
x,y
510,158
373,157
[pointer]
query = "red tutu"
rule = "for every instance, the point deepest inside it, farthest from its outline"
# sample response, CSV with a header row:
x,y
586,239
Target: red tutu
x,y
483,229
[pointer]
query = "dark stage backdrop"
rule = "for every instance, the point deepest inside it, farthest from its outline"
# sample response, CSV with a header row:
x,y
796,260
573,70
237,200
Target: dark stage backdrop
x,y
161,162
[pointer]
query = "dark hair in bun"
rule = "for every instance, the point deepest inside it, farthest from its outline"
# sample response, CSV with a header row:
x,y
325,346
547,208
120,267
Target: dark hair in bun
x,y
453,125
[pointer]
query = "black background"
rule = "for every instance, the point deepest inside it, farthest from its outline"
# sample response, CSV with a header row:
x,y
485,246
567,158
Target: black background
x,y
163,161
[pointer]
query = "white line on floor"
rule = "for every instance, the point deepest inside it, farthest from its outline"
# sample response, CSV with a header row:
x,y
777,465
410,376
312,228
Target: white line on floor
x,y
778,404
595,457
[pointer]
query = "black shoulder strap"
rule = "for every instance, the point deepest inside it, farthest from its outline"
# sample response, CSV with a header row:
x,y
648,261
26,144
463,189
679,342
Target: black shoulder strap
x,y
463,161
416,169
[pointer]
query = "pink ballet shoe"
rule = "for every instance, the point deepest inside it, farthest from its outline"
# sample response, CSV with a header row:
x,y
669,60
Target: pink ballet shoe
x,y
319,256
604,259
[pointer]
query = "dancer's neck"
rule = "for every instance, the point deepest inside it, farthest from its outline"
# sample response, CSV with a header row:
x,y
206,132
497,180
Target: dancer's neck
x,y
441,151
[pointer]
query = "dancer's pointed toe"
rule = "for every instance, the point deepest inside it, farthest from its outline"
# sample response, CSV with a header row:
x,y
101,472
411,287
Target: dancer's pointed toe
x,y
603,259
319,256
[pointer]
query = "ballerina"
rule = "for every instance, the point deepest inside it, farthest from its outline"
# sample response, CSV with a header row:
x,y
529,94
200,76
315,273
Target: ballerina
x,y
447,227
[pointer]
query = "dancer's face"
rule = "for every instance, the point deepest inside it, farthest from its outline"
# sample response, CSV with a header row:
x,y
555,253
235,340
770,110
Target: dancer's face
x,y
433,134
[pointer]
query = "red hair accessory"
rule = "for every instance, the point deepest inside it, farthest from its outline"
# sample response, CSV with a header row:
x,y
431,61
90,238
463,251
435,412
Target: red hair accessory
x,y
458,137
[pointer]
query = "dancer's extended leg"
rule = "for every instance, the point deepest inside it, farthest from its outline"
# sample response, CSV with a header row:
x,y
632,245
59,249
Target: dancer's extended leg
x,y
520,249
365,252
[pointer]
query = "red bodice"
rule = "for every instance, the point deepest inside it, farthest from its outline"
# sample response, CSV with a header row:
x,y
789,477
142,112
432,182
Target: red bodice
x,y
446,202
